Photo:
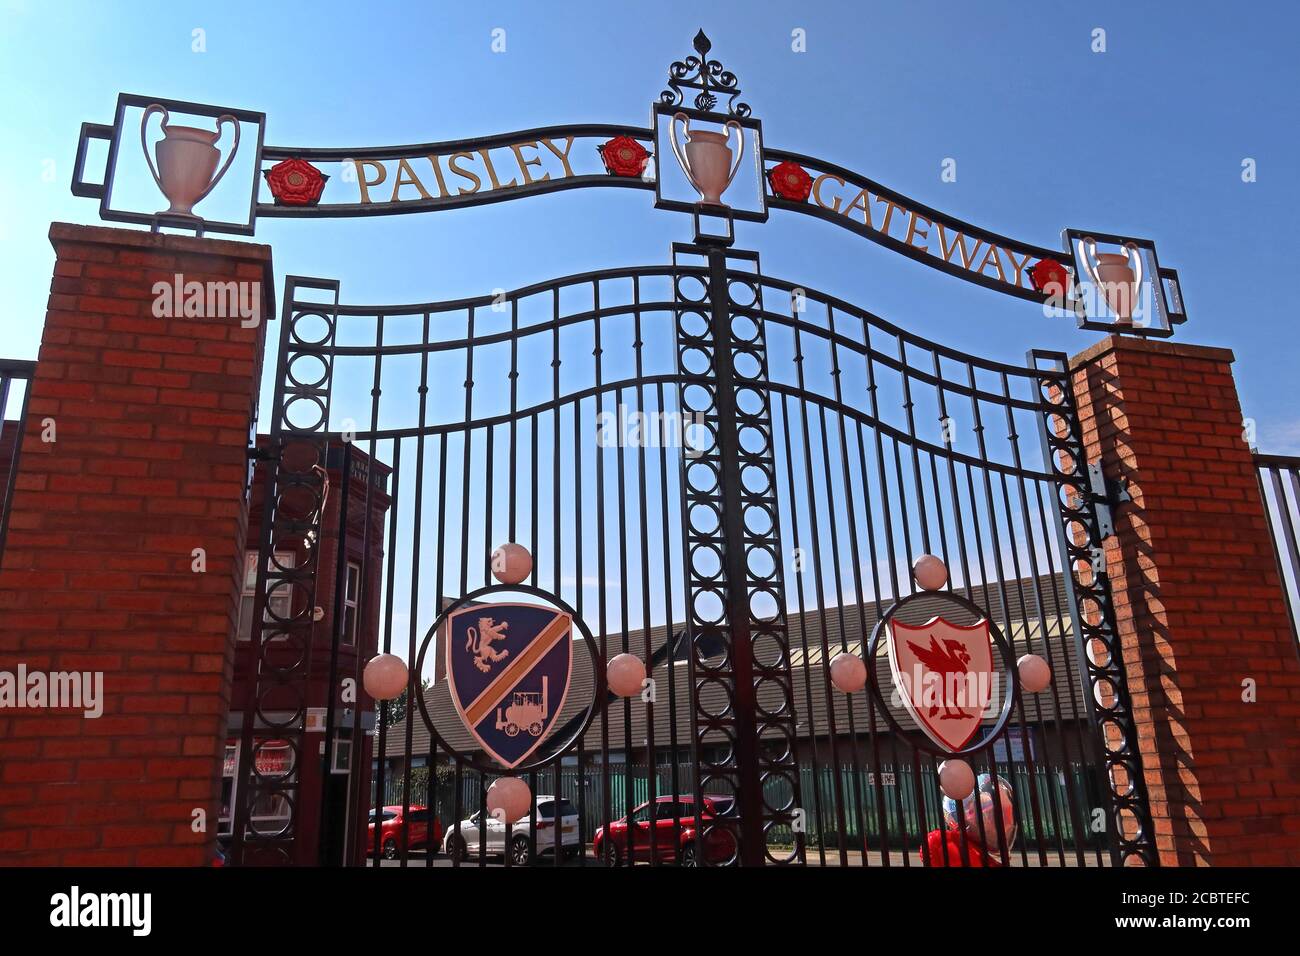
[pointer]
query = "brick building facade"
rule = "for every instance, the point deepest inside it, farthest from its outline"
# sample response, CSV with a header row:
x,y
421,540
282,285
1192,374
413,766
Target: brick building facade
x,y
337,773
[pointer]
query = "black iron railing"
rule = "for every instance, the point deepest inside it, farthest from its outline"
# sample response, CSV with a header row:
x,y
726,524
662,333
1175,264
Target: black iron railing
x,y
1279,483
15,388
830,448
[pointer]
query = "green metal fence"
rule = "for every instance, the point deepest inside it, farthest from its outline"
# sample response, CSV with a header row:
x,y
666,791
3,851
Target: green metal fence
x,y
1073,794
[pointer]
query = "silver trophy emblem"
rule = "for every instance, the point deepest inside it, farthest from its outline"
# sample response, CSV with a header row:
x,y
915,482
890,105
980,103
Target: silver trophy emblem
x,y
706,158
1117,276
187,159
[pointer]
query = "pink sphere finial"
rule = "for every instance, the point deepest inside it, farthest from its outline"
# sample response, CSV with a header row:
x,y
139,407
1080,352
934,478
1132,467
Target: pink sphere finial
x,y
511,563
956,779
625,675
930,572
385,677
848,672
1035,673
508,799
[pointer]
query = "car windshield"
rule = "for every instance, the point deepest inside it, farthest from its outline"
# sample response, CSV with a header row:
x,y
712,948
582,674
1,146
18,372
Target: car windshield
x,y
721,805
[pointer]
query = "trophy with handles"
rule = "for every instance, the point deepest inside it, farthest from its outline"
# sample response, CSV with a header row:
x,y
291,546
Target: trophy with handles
x,y
1118,276
707,158
187,158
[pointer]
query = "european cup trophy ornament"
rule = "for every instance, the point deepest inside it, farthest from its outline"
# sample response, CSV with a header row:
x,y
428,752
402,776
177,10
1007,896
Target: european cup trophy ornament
x,y
707,159
187,159
1117,276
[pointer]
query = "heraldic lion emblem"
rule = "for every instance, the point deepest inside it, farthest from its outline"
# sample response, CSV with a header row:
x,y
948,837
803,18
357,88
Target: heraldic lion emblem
x,y
480,642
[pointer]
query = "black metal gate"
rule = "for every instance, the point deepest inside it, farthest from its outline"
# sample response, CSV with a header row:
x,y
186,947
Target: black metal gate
x,y
780,458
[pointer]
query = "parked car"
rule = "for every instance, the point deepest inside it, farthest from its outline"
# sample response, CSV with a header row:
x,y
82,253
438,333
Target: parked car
x,y
466,843
417,829
674,822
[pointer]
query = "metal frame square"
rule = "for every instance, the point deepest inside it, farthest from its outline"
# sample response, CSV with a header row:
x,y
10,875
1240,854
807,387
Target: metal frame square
x,y
1159,276
662,149
113,135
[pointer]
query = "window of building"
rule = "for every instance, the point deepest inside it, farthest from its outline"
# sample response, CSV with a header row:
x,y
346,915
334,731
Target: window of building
x,y
351,601
341,761
279,599
274,759
230,767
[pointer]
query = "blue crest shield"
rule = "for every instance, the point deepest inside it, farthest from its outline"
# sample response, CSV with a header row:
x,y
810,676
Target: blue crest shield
x,y
508,667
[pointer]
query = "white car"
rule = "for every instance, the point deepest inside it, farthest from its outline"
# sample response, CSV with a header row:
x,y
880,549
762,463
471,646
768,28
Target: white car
x,y
463,842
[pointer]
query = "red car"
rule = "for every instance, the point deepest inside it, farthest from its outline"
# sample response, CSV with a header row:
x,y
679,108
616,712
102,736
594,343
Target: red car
x,y
418,829
674,840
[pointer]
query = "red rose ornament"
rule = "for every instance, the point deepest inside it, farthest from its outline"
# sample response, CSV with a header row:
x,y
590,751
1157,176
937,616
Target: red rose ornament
x,y
790,181
295,182
624,156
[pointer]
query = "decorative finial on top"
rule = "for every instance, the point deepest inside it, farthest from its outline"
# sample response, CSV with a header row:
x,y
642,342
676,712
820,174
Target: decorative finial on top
x,y
705,76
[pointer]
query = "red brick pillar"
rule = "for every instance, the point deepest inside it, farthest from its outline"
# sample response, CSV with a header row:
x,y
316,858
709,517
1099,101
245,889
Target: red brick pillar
x,y
150,415
1200,608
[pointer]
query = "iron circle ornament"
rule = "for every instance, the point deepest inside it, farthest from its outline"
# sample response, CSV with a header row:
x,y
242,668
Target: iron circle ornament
x,y
999,641
482,763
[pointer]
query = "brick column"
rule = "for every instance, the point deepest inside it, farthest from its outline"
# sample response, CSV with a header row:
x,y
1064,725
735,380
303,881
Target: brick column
x,y
150,418
1199,604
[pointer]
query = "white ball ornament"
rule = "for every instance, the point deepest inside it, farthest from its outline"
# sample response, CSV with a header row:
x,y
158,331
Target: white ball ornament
x,y
930,572
508,799
511,563
1035,673
625,675
956,779
385,677
848,672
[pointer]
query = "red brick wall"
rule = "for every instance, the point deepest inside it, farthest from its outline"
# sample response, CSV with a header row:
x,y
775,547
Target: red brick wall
x,y
1199,605
152,418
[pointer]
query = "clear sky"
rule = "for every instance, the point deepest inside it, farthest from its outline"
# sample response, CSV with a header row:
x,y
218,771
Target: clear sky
x,y
1146,138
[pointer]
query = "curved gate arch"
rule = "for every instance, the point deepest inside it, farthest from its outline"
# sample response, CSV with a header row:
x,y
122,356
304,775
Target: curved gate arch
x,y
728,475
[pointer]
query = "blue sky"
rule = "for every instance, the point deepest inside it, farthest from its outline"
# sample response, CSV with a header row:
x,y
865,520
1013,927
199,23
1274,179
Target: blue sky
x,y
1145,139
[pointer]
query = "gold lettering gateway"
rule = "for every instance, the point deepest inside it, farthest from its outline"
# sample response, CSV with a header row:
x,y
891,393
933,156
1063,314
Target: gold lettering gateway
x,y
864,208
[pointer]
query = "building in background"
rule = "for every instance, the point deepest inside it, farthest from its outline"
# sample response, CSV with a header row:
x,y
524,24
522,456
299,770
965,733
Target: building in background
x,y
334,779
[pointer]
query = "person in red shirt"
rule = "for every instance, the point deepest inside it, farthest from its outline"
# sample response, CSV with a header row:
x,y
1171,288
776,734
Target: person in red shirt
x,y
945,847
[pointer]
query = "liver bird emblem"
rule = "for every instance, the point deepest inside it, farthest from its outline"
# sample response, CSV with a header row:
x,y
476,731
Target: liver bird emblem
x,y
944,676
952,659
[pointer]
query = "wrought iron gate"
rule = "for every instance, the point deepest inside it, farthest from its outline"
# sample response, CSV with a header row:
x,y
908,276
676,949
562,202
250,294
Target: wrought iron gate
x,y
824,449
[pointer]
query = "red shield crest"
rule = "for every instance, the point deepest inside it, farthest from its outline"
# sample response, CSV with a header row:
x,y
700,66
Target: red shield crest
x,y
944,675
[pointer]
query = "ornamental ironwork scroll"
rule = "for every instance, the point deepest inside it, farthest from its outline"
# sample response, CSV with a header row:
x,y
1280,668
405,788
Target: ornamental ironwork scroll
x,y
1096,632
315,182
295,494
